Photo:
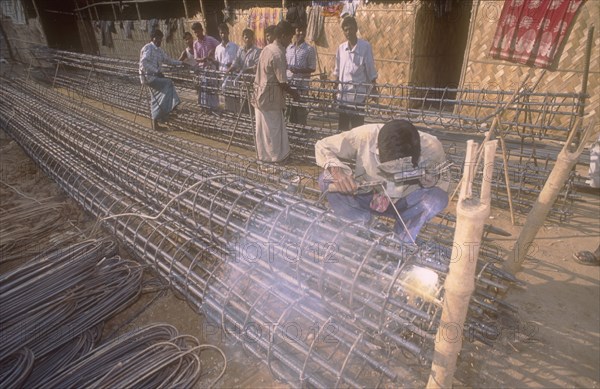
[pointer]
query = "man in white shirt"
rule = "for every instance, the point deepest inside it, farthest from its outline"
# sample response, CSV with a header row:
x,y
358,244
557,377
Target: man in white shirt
x,y
225,54
359,194
301,63
163,96
245,63
356,76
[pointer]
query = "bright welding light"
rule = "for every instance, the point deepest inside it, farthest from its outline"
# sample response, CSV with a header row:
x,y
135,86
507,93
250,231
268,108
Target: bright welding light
x,y
421,281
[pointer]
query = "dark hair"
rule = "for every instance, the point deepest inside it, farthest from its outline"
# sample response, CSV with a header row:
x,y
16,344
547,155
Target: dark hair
x,y
284,28
300,26
349,21
186,34
156,34
197,26
270,29
223,27
248,32
399,139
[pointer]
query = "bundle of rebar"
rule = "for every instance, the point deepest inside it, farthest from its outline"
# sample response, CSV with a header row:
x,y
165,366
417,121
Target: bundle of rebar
x,y
52,300
204,236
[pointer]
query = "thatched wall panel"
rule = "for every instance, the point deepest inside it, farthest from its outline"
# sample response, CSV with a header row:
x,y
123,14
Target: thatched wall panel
x,y
482,71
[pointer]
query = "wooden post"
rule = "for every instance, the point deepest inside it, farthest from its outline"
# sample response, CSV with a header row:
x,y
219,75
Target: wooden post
x,y
203,14
185,10
565,162
471,214
137,8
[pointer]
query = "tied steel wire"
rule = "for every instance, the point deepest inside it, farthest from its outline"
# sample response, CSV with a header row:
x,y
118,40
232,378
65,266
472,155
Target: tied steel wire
x,y
153,178
533,114
171,249
231,210
125,93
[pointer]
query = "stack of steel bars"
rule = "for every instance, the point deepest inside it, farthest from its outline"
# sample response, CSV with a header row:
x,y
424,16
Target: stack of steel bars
x,y
322,301
53,303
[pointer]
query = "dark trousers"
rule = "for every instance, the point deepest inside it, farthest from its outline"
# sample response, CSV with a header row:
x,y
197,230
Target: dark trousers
x,y
347,121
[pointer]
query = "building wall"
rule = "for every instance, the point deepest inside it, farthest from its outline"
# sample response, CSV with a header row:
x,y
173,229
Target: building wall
x,y
483,72
22,38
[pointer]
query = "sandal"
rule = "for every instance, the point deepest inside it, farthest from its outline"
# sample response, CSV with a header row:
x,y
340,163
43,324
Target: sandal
x,y
586,258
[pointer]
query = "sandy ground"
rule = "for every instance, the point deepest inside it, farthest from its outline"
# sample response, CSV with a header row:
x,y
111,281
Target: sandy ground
x,y
553,340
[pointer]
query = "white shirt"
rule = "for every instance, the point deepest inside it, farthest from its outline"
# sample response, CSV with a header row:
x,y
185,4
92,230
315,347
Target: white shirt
x,y
151,59
360,145
355,66
225,55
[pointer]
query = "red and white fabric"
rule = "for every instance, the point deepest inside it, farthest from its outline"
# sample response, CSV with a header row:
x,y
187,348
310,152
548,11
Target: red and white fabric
x,y
531,31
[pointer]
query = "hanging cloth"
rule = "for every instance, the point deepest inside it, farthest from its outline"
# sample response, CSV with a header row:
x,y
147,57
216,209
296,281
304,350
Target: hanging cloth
x,y
316,23
530,32
259,19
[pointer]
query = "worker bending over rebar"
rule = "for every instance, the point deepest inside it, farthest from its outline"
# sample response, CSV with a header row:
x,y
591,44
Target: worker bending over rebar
x,y
397,174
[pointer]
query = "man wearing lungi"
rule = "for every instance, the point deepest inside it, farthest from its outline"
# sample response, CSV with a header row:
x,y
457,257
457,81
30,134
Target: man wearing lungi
x,y
163,96
272,143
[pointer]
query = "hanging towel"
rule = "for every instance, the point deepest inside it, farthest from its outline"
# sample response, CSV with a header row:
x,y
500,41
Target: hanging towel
x,y
128,28
259,19
171,28
316,23
530,32
107,28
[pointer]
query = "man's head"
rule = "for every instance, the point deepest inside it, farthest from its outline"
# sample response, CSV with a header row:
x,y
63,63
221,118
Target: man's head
x,y
270,33
224,32
399,139
284,33
156,37
198,30
300,33
350,28
188,38
248,37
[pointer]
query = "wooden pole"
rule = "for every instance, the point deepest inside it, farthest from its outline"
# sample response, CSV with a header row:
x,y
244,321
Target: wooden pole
x,y
185,10
471,214
565,162
507,180
203,14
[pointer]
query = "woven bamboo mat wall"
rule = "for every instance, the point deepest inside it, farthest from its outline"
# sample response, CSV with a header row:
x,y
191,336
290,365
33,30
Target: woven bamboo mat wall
x,y
484,72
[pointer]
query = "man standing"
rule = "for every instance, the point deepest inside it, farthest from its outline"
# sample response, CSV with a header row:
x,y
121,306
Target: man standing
x,y
376,149
225,55
302,62
245,63
204,53
163,96
356,76
270,86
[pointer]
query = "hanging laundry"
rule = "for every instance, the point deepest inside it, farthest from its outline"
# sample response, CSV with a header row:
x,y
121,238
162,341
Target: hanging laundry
x,y
530,32
296,14
152,25
181,26
128,28
330,8
316,23
350,7
171,28
107,28
259,19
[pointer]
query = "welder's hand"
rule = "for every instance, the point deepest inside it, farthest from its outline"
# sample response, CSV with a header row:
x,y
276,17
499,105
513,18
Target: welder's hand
x,y
342,182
